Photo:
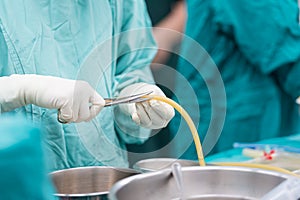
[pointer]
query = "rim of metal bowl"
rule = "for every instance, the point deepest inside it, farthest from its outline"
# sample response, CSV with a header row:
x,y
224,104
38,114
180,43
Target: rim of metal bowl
x,y
135,172
118,185
170,160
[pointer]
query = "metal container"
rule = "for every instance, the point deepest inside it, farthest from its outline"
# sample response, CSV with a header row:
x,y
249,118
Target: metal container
x,y
155,164
203,183
92,183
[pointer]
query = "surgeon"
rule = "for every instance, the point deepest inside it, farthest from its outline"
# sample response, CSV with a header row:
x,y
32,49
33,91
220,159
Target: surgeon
x,y
255,47
58,60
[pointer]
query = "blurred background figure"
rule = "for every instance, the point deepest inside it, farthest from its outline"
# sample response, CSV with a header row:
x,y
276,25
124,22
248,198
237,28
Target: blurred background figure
x,y
22,162
256,47
168,19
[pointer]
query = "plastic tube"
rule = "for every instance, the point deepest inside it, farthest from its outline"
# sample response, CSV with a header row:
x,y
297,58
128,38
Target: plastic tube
x,y
258,166
188,120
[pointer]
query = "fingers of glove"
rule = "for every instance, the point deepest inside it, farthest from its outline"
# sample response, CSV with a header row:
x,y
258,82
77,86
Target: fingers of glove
x,y
65,114
157,121
165,111
97,103
132,110
144,118
96,99
83,111
94,111
75,109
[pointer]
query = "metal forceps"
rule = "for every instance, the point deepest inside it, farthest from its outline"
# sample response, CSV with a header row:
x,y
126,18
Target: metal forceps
x,y
136,98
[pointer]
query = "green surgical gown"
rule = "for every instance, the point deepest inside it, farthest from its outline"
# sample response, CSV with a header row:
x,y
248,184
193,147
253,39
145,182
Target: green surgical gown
x,y
105,43
255,45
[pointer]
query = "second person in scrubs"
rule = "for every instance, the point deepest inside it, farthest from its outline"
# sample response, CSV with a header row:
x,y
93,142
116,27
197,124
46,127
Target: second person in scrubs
x,y
256,48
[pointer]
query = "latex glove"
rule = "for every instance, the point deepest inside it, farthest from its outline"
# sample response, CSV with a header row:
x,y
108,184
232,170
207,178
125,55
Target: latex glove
x,y
298,100
151,114
76,100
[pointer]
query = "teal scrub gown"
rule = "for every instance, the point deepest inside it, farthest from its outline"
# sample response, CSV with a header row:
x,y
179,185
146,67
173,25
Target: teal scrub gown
x,y
255,45
22,161
107,43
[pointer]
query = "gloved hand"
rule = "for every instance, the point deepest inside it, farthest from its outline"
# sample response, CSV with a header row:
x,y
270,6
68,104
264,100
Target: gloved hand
x,y
151,114
76,100
298,100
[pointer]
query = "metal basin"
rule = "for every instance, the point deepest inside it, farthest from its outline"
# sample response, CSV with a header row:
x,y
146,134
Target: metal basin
x,y
203,183
156,164
92,183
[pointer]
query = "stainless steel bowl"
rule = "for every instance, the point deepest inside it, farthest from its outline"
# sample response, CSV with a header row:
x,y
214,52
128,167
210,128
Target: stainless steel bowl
x,y
211,182
84,183
155,164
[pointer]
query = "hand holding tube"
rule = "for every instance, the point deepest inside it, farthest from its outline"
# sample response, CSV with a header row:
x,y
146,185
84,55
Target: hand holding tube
x,y
151,114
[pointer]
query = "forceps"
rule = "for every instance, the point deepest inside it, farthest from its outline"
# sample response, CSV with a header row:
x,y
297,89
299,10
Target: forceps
x,y
135,98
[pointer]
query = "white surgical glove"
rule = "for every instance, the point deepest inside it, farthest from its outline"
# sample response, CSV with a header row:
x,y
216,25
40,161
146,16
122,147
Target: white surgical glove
x,y
151,114
76,100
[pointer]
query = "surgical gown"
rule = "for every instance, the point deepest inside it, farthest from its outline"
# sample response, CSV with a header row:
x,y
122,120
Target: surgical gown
x,y
107,43
22,161
255,47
